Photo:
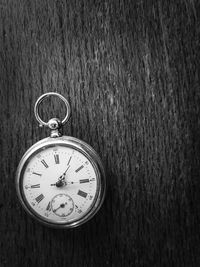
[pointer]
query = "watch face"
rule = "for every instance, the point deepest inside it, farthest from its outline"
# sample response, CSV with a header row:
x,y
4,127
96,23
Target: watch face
x,y
59,184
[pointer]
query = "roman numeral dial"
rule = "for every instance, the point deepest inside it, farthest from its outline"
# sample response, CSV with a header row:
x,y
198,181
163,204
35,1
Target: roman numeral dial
x,y
60,184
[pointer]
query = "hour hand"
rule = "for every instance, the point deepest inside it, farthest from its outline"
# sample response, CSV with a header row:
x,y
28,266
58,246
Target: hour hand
x,y
62,177
60,183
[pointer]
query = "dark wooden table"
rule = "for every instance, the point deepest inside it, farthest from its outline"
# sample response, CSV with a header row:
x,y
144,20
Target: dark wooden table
x,y
130,72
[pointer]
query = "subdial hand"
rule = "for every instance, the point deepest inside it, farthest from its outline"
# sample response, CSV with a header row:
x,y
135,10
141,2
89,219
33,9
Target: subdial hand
x,y
61,206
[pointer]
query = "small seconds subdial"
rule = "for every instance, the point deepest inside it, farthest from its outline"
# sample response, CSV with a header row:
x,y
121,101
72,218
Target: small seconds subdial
x,y
62,205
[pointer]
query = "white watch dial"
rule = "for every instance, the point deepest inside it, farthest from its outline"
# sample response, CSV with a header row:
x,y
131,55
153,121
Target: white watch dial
x,y
59,184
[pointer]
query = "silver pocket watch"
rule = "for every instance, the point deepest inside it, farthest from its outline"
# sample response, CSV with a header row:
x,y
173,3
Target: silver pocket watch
x,y
60,180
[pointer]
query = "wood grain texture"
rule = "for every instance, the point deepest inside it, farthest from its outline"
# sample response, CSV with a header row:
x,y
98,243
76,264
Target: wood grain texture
x,y
130,72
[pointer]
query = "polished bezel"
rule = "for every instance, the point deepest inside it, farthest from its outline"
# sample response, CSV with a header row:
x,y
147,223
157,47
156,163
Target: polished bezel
x,y
82,147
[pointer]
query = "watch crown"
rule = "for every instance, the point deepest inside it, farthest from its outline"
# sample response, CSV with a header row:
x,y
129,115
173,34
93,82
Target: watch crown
x,y
55,125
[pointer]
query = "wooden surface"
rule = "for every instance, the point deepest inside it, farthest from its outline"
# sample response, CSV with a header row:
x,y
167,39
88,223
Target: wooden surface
x,y
130,72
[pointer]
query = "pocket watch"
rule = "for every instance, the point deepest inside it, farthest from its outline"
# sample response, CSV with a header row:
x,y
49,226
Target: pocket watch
x,y
60,180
